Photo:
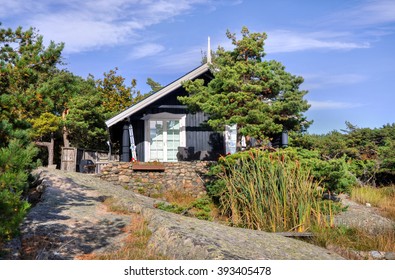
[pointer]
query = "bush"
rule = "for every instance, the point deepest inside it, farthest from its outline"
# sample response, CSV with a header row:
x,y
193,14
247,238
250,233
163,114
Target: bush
x,y
334,174
364,170
15,166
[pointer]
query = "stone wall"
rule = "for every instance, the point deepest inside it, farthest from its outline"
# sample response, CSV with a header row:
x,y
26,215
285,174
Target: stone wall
x,y
188,177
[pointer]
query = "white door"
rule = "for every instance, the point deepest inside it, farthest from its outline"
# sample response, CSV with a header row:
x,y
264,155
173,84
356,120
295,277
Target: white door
x,y
164,140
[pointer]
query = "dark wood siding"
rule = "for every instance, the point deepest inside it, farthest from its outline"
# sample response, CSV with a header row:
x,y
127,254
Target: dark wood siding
x,y
206,144
138,130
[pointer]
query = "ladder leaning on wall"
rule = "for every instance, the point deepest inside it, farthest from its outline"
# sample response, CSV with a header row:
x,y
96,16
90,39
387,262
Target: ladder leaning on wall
x,y
132,143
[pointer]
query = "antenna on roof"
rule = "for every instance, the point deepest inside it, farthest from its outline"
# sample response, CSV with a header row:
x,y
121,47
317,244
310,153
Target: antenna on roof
x,y
208,51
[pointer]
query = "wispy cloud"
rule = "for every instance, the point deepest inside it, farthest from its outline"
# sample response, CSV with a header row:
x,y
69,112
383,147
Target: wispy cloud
x,y
368,13
85,25
326,80
280,41
146,50
283,41
180,61
332,105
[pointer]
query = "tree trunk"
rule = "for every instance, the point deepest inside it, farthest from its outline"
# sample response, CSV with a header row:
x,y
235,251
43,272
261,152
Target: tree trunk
x,y
66,142
51,151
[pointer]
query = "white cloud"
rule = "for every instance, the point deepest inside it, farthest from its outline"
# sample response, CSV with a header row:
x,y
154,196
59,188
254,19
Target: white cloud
x,y
10,8
321,80
181,61
368,13
332,105
288,41
282,41
82,34
145,50
90,24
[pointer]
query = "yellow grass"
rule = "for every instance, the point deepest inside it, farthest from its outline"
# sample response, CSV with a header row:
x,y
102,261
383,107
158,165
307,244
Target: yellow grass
x,y
348,240
382,198
179,198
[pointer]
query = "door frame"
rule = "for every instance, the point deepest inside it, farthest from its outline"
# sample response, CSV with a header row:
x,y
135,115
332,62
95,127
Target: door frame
x,y
162,117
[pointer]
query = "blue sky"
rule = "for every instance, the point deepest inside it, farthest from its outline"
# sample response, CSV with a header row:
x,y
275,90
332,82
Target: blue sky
x,y
344,49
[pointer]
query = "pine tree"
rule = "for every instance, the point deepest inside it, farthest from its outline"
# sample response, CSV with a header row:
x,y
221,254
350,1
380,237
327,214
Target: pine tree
x,y
24,64
257,95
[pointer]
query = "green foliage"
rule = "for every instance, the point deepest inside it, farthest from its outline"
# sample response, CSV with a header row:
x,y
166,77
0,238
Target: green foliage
x,y
15,164
173,208
155,86
334,174
369,153
85,119
259,96
270,191
364,170
115,96
24,64
199,208
45,124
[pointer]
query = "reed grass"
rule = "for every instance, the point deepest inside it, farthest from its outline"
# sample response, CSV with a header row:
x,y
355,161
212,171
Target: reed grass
x,y
272,194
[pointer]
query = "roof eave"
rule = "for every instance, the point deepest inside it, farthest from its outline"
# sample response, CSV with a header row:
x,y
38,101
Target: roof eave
x,y
159,94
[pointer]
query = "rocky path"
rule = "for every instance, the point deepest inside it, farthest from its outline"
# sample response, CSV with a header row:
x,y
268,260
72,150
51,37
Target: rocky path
x,y
71,220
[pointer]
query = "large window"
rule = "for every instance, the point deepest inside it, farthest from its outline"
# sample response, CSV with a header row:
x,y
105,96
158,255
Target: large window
x,y
165,136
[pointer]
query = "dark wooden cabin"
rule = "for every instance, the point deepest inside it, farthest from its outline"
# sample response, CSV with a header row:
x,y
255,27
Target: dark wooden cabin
x,y
163,128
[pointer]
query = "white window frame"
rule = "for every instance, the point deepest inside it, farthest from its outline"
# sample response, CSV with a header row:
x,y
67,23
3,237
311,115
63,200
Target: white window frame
x,y
158,117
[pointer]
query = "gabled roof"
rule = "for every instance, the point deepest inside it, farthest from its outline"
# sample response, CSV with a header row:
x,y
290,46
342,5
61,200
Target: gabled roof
x,y
157,95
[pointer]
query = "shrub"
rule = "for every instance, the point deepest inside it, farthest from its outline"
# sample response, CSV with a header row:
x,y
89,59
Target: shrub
x,y
15,164
334,174
364,170
200,208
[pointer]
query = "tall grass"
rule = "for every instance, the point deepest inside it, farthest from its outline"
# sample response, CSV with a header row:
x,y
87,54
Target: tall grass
x,y
272,193
347,240
382,198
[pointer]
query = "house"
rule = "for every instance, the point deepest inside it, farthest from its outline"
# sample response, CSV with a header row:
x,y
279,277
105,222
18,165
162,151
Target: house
x,y
160,128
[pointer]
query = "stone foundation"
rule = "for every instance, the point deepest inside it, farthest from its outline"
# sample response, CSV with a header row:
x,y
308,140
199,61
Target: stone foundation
x,y
187,177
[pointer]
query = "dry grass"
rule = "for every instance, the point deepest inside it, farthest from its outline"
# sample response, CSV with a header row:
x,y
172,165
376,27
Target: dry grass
x,y
382,198
135,245
348,240
112,206
202,208
33,247
180,198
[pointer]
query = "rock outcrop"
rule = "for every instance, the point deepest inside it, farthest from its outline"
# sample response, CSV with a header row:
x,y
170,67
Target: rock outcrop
x,y
75,198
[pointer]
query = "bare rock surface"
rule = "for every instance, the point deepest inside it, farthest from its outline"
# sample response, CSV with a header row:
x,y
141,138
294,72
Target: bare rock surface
x,y
362,216
70,220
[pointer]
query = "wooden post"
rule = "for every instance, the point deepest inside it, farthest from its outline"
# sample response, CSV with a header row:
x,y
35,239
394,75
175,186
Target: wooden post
x,y
51,148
